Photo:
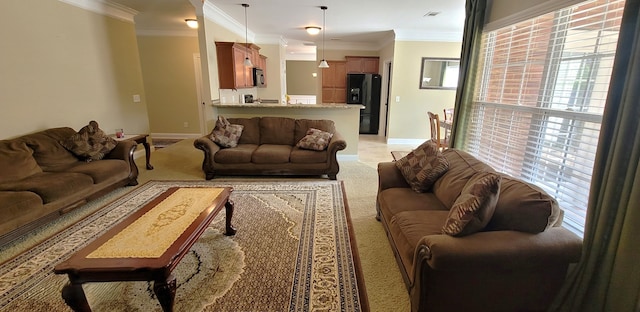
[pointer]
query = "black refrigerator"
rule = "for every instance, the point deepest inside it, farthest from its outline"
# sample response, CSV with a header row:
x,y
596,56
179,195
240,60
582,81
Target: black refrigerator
x,y
364,89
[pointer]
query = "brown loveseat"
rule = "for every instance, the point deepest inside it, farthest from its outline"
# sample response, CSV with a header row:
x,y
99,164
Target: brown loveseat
x,y
267,146
40,179
516,263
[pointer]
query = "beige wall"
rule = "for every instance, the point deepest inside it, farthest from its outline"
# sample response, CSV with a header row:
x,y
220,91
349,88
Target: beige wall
x,y
67,67
408,117
169,78
300,80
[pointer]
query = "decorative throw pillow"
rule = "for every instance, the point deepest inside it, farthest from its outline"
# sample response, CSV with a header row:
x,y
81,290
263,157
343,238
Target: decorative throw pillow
x,y
315,139
90,143
226,134
423,166
473,209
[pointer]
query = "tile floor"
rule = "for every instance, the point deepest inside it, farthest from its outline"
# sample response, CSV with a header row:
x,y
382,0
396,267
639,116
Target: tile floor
x,y
373,149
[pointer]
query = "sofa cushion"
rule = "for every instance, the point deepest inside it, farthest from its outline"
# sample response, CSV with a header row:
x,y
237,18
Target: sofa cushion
x,y
226,134
250,130
271,154
462,166
277,130
475,206
47,150
240,154
411,202
423,166
409,227
303,125
304,156
51,186
103,171
524,207
16,161
315,139
90,143
19,208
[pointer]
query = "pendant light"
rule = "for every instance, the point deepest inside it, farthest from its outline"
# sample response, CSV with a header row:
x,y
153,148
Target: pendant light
x,y
323,63
247,61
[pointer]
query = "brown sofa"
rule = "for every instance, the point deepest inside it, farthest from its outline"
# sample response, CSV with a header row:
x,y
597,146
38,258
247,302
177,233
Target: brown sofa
x,y
41,180
516,263
267,146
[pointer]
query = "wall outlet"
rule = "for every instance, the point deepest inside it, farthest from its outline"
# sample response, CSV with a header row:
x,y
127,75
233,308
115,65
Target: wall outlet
x,y
185,124
397,99
136,98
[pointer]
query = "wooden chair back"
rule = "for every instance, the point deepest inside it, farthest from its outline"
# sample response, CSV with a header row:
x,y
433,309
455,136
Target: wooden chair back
x,y
434,125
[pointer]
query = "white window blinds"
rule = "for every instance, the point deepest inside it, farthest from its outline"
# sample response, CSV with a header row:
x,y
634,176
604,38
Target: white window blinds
x,y
539,98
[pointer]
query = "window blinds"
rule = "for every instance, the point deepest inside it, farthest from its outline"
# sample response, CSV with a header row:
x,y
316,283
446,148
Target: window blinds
x,y
539,98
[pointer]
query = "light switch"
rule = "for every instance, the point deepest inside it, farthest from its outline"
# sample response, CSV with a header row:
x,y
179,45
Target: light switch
x,y
397,99
136,98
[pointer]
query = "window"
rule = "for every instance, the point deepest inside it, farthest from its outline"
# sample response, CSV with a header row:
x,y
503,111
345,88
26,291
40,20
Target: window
x,y
539,99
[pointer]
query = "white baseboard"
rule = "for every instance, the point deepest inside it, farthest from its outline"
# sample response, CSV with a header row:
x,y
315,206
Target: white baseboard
x,y
406,141
175,135
347,157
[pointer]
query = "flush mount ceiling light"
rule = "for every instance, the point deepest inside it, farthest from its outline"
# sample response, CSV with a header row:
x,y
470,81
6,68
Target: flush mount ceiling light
x,y
192,23
313,30
323,63
247,61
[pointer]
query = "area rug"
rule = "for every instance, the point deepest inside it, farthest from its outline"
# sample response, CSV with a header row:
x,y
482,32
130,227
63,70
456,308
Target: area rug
x,y
292,252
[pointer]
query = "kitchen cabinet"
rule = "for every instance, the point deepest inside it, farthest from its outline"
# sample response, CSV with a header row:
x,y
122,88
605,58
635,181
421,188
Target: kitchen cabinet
x,y
362,64
334,82
232,73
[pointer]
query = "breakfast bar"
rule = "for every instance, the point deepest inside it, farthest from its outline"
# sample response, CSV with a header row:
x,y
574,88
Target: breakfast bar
x,y
345,116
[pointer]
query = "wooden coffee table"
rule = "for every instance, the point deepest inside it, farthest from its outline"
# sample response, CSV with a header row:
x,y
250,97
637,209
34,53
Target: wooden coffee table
x,y
107,259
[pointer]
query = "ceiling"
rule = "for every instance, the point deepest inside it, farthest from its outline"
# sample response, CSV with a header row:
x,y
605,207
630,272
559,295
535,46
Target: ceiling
x,y
356,24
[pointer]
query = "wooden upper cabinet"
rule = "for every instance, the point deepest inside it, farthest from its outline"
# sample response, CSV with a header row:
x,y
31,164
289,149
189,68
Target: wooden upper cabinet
x,y
362,64
232,73
334,82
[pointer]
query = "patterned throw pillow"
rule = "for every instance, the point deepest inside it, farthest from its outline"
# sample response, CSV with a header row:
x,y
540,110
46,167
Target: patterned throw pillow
x,y
90,143
315,139
423,166
226,134
473,209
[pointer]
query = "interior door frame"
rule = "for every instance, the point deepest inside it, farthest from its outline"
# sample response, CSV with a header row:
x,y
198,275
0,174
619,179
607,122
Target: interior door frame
x,y
202,116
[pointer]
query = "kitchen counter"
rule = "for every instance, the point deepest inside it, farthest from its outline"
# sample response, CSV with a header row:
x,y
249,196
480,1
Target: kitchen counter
x,y
278,105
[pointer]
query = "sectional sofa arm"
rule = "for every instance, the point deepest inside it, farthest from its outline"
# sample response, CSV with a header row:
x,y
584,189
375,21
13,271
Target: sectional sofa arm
x,y
500,250
123,150
337,143
209,148
389,176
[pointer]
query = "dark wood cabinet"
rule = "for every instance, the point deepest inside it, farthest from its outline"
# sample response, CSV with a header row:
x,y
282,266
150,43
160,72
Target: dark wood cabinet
x,y
232,74
334,82
362,64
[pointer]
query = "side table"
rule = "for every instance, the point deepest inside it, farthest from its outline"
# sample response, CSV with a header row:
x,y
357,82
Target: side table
x,y
140,139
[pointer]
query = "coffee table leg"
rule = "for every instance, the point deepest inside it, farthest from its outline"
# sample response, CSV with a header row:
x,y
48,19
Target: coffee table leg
x,y
230,230
166,292
74,296
147,152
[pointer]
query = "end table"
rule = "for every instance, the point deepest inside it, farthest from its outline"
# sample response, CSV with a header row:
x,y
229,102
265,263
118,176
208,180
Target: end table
x,y
140,139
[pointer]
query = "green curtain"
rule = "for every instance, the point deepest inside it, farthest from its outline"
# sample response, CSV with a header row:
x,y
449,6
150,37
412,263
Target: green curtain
x,y
471,42
607,278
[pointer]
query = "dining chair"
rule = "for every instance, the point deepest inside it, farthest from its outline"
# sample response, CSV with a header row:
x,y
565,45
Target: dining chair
x,y
448,122
434,124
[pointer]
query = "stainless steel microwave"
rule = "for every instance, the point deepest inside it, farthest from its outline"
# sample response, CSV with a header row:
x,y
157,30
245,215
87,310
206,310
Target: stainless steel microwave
x,y
258,78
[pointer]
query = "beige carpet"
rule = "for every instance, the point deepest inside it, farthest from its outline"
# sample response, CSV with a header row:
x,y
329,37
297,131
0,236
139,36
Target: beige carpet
x,y
182,161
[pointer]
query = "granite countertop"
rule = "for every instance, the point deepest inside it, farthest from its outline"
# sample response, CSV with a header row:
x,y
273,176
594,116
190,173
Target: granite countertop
x,y
279,105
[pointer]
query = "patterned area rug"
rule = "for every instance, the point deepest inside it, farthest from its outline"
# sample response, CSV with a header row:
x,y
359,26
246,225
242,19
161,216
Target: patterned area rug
x,y
292,252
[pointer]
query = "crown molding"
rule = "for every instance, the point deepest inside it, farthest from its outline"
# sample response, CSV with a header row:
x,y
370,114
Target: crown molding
x,y
105,8
217,16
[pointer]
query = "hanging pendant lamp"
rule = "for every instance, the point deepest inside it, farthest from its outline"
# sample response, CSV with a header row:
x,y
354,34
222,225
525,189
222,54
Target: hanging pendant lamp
x,y
247,61
323,63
